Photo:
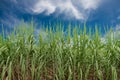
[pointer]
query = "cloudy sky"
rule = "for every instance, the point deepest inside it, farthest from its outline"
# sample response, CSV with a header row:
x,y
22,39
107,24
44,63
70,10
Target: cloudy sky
x,y
100,12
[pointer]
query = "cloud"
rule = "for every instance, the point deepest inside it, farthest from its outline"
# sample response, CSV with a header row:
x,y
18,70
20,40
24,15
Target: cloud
x,y
117,28
114,34
71,9
42,6
60,9
117,31
10,20
90,4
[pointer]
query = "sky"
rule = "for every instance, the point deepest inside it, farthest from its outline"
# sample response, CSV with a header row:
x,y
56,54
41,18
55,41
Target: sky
x,y
101,12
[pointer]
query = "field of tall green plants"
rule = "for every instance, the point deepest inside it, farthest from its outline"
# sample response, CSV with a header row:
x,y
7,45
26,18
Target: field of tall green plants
x,y
55,54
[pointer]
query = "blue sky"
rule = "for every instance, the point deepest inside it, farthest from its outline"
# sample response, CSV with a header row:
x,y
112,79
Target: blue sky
x,y
91,12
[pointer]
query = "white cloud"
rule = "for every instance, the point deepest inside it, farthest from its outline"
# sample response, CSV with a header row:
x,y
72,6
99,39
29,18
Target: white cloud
x,y
90,4
114,34
50,7
10,20
117,27
66,7
70,10
42,6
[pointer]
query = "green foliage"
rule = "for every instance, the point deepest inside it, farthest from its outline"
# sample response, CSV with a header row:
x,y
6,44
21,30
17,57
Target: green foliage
x,y
53,55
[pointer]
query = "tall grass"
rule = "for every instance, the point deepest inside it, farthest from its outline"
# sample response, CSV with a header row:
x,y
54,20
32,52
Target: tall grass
x,y
56,56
